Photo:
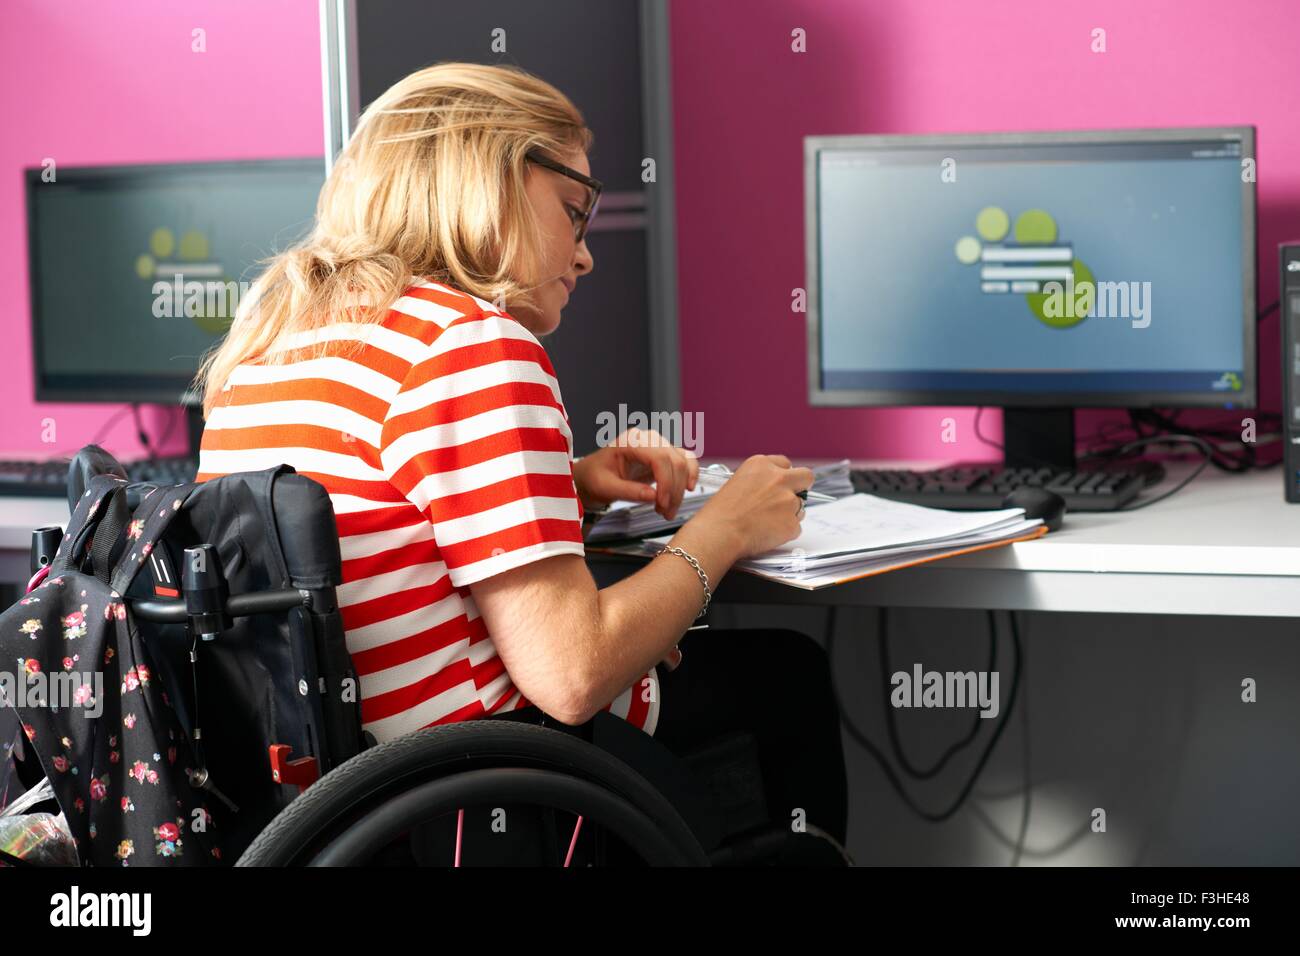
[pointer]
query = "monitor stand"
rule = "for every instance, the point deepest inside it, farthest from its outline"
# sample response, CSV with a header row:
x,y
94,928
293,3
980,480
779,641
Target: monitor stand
x,y
1038,438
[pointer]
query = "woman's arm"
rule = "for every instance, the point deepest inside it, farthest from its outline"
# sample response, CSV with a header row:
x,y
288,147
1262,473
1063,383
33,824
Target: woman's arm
x,y
571,648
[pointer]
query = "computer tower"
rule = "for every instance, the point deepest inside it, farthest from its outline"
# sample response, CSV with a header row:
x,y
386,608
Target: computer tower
x,y
1289,310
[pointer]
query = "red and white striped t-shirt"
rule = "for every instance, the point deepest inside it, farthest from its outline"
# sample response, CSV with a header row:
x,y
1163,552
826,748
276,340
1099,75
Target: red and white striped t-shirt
x,y
446,451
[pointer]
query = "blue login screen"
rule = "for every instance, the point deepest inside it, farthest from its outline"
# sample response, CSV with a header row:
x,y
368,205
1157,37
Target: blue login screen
x,y
1066,267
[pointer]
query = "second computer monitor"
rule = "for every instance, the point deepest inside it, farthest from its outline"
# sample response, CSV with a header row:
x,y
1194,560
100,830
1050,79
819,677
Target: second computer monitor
x,y
136,271
1091,268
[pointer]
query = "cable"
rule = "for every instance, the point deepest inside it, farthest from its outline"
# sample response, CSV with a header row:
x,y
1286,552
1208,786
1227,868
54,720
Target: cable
x,y
1229,452
108,425
865,742
1238,456
103,430
1024,751
979,413
891,722
1158,439
134,410
1244,459
1019,846
152,451
141,433
1037,462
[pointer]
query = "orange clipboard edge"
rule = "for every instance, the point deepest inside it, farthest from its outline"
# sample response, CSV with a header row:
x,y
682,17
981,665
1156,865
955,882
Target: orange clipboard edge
x,y
630,550
905,563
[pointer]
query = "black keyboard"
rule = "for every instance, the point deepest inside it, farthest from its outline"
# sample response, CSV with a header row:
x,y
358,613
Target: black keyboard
x,y
975,487
49,479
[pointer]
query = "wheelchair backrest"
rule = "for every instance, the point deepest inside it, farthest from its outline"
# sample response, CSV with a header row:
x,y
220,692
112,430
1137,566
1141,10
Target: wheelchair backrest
x,y
266,679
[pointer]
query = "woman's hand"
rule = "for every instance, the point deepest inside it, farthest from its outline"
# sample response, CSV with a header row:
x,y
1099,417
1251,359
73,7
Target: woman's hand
x,y
623,472
759,504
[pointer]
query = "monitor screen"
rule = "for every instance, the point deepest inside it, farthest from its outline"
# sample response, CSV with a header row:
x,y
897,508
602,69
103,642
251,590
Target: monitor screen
x,y
137,271
1033,269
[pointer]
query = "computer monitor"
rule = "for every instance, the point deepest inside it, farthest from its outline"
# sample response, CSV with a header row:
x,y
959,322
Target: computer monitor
x,y
136,270
1036,271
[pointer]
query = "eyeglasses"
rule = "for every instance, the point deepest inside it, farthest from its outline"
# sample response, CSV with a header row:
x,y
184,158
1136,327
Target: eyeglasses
x,y
583,220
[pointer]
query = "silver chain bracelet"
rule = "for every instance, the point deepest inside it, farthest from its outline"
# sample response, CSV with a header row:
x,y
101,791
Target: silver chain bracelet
x,y
704,578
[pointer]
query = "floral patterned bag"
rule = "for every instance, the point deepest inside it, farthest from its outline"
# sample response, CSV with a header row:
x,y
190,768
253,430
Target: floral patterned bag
x,y
92,707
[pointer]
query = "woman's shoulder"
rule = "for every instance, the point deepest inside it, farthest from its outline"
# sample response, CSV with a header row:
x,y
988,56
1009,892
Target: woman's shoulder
x,y
452,303
443,305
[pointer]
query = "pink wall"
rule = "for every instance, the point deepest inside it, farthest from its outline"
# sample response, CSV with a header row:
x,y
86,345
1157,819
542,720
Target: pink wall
x,y
91,84
744,101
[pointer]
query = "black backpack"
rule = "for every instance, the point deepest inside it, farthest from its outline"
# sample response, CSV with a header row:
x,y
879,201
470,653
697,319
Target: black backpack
x,y
214,746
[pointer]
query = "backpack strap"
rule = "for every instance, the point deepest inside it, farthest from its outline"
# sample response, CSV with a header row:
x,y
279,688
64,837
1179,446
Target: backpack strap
x,y
85,521
150,521
111,525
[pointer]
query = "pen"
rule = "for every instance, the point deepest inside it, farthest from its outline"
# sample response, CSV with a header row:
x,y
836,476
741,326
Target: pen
x,y
719,473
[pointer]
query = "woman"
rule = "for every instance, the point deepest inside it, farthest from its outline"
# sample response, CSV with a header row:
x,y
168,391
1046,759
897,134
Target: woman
x,y
393,356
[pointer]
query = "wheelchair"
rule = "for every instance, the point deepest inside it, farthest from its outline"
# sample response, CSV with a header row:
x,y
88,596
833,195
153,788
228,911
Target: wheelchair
x,y
301,784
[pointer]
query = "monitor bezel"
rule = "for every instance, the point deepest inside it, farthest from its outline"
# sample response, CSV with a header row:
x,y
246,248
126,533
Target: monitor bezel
x,y
165,390
1246,397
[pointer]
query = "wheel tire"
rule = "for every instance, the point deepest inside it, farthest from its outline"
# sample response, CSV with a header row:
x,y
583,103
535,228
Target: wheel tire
x,y
378,774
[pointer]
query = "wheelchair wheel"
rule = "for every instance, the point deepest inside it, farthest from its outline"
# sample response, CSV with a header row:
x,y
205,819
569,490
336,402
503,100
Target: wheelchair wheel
x,y
378,796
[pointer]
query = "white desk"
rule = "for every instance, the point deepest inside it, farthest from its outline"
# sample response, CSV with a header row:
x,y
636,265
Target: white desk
x,y
1224,545
19,517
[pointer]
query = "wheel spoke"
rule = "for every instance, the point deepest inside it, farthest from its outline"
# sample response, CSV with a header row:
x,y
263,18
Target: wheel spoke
x,y
577,827
460,830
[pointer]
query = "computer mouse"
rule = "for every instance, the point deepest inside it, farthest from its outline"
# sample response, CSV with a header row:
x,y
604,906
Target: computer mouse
x,y
1038,503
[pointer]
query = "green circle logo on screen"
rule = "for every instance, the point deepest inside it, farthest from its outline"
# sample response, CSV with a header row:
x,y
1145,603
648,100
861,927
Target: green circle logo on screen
x,y
1027,257
186,282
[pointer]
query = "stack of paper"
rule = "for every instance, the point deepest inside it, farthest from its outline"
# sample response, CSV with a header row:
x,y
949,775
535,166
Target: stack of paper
x,y
629,519
861,534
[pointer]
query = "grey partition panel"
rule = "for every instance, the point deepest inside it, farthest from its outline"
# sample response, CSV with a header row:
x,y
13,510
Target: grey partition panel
x,y
617,344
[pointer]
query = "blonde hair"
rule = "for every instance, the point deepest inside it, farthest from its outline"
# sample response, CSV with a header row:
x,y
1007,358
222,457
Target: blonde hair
x,y
431,185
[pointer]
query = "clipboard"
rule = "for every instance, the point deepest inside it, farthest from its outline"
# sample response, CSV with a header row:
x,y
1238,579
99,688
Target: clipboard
x,y
844,575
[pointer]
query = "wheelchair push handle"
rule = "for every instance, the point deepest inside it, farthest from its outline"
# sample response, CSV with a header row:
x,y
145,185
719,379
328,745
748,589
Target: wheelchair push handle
x,y
45,542
204,587
203,584
239,605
